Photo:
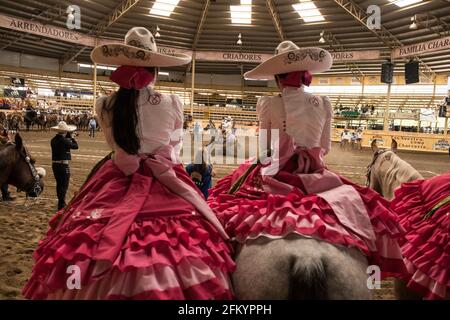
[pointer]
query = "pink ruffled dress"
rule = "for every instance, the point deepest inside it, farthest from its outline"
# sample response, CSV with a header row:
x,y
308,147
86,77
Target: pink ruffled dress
x,y
426,244
139,229
293,192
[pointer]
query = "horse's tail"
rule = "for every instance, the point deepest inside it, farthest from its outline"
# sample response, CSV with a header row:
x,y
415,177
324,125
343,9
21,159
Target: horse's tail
x,y
308,279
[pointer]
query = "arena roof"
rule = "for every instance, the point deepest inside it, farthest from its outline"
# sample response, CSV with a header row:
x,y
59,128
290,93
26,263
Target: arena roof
x,y
207,25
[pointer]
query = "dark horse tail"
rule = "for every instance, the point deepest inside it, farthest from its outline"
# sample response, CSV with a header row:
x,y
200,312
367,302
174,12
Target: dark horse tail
x,y
308,279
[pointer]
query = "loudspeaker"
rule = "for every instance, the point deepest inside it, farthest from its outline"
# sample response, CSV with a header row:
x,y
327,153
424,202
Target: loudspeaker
x,y
443,111
412,72
387,72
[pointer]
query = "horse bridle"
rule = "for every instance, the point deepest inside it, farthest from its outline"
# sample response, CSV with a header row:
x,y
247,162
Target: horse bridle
x,y
33,185
369,167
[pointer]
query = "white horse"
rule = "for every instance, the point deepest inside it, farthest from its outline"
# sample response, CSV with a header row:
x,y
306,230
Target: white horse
x,y
386,173
296,267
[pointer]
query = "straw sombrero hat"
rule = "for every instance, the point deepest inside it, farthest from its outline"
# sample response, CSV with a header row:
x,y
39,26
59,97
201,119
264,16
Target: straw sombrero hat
x,y
64,127
289,58
139,49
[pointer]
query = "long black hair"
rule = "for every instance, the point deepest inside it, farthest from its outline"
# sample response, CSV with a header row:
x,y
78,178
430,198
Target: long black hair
x,y
124,109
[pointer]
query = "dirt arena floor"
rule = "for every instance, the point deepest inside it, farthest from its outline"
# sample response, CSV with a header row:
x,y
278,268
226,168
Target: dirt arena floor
x,y
23,222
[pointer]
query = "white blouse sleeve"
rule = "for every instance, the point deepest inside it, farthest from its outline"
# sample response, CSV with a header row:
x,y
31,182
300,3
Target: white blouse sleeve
x,y
325,141
104,119
263,111
177,134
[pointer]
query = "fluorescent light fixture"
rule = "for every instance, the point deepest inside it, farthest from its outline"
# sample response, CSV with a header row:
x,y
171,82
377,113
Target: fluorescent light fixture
x,y
162,73
83,65
322,39
242,14
308,11
404,3
164,7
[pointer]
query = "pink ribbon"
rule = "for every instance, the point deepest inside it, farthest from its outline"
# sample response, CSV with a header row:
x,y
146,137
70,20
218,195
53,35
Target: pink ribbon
x,y
297,79
129,77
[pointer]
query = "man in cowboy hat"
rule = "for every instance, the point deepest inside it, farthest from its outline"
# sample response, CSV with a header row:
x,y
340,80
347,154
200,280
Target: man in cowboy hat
x,y
61,144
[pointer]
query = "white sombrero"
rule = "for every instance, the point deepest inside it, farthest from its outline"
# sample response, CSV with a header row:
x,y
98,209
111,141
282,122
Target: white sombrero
x,y
139,49
289,58
64,127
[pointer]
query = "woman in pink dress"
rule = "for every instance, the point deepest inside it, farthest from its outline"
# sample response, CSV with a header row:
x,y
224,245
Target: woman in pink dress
x,y
138,228
424,210
289,190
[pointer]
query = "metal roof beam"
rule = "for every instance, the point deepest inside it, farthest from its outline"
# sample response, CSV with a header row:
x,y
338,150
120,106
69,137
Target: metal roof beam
x,y
331,40
383,34
276,19
200,24
49,15
100,28
440,27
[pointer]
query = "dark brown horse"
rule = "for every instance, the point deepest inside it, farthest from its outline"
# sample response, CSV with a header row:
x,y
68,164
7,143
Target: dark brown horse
x,y
17,168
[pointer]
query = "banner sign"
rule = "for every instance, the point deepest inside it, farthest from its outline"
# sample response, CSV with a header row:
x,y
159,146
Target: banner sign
x,y
356,55
17,82
67,35
48,31
232,56
405,140
261,57
13,93
420,48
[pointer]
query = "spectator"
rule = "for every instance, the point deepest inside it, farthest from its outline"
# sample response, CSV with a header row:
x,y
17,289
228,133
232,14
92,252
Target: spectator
x,y
61,144
92,127
201,172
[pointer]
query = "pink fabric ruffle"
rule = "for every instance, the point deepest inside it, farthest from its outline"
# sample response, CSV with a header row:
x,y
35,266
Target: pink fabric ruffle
x,y
170,251
251,213
425,245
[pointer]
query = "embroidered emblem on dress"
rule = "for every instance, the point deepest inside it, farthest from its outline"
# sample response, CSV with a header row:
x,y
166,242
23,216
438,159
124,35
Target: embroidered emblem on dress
x,y
76,215
155,99
314,101
95,214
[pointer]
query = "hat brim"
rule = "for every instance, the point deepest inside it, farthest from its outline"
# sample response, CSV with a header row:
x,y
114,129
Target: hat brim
x,y
125,55
314,60
69,128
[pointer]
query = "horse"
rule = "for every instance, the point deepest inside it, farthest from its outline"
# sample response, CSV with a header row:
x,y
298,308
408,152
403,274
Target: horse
x,y
388,171
17,168
30,118
42,121
3,119
296,267
385,174
14,121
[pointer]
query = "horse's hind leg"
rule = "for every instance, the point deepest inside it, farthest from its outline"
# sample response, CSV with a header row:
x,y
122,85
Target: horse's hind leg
x,y
261,273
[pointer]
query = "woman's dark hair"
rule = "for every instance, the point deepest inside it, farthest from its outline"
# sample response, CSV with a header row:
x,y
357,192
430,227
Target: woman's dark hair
x,y
279,77
124,109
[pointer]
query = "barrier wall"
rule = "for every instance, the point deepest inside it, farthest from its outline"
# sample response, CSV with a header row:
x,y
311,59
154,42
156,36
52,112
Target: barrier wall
x,y
405,140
